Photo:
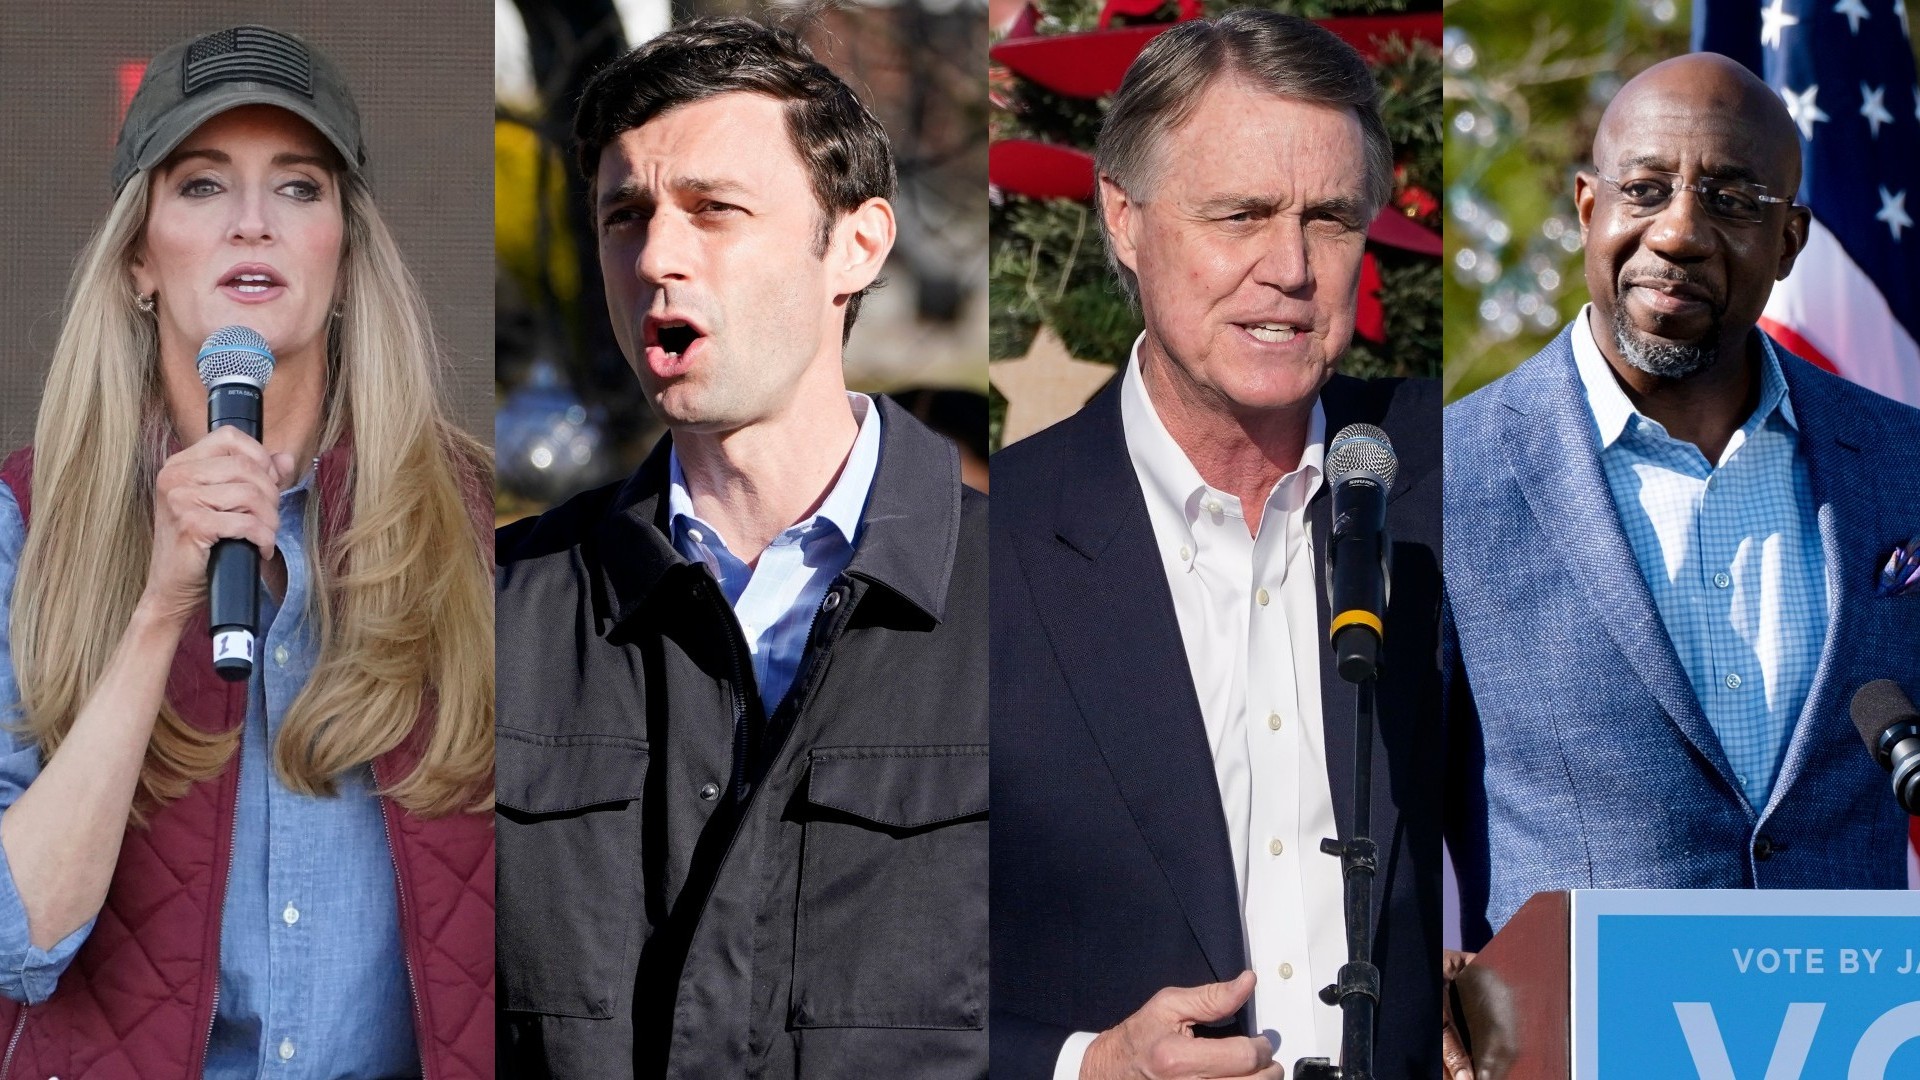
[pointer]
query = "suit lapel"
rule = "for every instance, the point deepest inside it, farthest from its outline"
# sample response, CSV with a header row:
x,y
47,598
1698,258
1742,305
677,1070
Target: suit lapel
x,y
1849,519
1101,593
1550,443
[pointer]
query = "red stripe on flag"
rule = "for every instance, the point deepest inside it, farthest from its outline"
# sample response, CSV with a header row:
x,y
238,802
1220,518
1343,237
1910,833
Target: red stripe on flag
x,y
1798,345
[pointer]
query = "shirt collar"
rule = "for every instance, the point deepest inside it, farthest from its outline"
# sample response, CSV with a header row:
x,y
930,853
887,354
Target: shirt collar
x,y
1167,475
841,509
1613,410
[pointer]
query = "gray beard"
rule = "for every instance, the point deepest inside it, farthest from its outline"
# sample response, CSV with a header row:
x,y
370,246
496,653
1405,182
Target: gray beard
x,y
1666,360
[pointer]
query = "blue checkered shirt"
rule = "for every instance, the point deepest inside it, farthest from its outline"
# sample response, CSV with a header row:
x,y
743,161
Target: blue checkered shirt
x,y
1731,553
775,600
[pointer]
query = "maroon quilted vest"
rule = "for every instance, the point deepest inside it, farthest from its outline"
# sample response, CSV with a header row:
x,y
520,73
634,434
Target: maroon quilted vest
x,y
138,1000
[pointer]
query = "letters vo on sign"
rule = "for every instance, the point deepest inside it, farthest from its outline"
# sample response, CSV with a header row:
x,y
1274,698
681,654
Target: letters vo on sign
x,y
1870,1056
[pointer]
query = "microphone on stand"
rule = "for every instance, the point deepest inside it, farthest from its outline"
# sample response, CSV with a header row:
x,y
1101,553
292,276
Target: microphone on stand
x,y
1887,721
235,365
1360,466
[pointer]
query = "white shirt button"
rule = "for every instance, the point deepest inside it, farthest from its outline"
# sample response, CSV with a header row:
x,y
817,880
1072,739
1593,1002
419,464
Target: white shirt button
x,y
1275,847
1262,597
280,656
1273,721
1733,682
1186,553
695,536
1211,506
1722,580
286,1049
1286,971
291,915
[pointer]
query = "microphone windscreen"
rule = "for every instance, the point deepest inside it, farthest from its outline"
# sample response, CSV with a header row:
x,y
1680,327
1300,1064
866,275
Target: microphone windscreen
x,y
1878,706
1362,450
235,353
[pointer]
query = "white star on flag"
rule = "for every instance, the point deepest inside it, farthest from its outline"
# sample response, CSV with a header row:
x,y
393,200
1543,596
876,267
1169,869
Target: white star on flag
x,y
1875,107
1803,110
1854,11
1775,19
1893,211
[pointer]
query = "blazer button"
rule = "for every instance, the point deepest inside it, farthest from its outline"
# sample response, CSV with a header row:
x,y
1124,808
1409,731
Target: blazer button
x,y
1763,848
710,791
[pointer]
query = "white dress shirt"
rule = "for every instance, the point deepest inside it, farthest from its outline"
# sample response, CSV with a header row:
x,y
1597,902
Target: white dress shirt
x,y
1249,619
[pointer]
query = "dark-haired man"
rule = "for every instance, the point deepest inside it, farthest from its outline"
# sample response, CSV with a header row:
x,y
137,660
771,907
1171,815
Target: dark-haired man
x,y
742,724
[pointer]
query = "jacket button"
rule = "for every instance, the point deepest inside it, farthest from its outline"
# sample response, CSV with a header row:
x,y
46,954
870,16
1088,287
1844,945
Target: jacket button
x,y
832,601
710,791
1763,848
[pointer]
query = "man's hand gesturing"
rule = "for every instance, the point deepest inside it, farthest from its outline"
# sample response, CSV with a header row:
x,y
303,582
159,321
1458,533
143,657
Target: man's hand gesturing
x,y
1157,1042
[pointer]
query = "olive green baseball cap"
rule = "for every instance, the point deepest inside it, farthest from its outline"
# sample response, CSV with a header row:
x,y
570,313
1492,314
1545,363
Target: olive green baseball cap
x,y
195,81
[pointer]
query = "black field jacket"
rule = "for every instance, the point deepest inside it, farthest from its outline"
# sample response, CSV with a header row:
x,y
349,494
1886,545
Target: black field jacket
x,y
691,888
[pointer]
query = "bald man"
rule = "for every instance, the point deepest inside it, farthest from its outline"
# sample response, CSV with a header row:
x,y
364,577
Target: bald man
x,y
1664,537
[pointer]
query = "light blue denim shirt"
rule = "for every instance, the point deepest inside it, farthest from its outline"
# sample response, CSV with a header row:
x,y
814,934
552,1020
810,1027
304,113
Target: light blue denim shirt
x,y
312,980
1730,550
775,600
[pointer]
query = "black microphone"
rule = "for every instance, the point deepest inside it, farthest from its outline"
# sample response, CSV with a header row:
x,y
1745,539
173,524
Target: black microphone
x,y
1361,467
235,365
1887,721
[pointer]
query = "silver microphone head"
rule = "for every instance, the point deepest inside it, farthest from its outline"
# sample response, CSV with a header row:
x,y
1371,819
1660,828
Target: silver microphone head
x,y
1362,450
235,354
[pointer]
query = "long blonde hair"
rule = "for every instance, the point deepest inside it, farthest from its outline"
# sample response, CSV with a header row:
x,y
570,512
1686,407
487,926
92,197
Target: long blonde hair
x,y
401,597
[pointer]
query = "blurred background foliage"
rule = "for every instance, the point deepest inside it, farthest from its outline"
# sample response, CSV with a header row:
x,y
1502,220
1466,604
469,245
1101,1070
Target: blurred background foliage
x,y
1525,85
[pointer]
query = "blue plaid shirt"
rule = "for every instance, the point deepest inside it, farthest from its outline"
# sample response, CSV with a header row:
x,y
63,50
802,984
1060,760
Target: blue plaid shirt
x,y
1731,553
775,600
312,983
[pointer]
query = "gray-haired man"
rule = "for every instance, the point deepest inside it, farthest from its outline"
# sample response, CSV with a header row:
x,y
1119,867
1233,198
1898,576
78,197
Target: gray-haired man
x,y
1170,742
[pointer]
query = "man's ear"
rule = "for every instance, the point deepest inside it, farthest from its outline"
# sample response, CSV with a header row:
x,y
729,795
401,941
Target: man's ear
x,y
1794,240
859,246
1117,214
1583,194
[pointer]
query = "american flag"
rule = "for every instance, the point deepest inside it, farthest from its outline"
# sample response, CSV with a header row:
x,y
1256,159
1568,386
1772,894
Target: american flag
x,y
1845,70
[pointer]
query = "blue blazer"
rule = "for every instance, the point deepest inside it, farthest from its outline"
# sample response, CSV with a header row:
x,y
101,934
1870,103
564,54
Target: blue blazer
x,y
1582,758
1111,873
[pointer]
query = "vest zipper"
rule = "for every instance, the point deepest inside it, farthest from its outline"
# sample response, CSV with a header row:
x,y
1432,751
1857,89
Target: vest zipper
x,y
406,953
19,1028
220,908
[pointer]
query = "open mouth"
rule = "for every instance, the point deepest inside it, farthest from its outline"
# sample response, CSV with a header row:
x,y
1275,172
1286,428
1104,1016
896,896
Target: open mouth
x,y
252,281
676,337
1270,332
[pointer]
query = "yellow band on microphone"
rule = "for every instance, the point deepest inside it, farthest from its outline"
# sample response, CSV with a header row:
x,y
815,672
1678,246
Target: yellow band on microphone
x,y
1356,617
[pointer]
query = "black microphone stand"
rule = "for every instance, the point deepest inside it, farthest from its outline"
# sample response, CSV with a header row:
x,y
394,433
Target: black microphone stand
x,y
1358,988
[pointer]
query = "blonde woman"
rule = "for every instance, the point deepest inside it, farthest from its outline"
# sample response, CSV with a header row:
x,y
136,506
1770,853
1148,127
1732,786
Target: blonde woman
x,y
292,873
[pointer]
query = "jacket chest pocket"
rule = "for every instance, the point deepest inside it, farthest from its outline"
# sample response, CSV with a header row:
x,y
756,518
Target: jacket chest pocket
x,y
568,894
892,923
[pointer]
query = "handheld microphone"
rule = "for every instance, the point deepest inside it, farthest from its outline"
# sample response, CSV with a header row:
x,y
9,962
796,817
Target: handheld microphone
x,y
235,365
1887,721
1361,466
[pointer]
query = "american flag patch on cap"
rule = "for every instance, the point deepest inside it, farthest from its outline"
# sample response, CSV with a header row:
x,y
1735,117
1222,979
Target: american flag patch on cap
x,y
248,54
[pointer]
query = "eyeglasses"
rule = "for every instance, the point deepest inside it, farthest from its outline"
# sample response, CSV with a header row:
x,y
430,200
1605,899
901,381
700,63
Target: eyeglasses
x,y
1734,200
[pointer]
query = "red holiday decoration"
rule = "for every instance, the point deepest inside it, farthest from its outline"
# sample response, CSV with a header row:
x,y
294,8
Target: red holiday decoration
x,y
1040,170
1370,320
1144,9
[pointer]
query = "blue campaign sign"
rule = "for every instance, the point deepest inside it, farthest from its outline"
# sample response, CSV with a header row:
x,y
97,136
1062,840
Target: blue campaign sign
x,y
1743,985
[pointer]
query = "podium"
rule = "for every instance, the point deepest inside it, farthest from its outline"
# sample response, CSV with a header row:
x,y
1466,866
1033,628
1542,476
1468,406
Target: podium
x,y
1699,985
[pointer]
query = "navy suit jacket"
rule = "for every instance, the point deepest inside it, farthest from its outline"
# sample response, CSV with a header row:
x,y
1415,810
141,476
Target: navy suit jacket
x,y
1583,759
1111,872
